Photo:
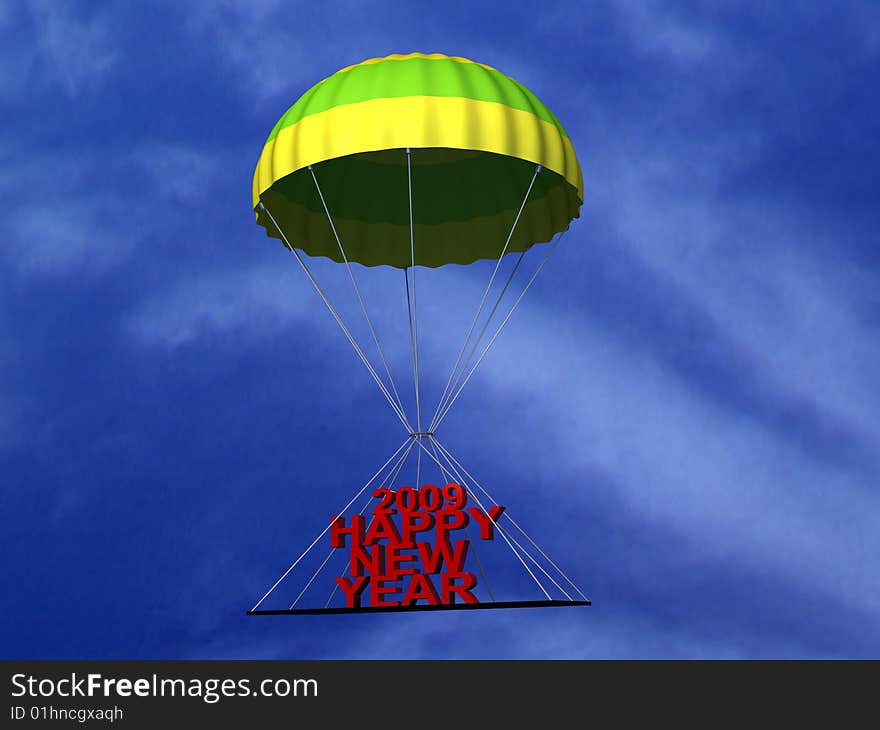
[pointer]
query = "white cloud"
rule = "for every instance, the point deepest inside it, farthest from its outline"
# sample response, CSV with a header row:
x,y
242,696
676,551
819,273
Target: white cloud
x,y
179,172
17,56
255,302
567,633
78,52
753,268
76,219
79,236
48,45
259,44
726,486
681,38
720,478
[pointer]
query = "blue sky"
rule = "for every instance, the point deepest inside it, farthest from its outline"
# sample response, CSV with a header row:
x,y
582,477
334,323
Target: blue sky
x,y
685,410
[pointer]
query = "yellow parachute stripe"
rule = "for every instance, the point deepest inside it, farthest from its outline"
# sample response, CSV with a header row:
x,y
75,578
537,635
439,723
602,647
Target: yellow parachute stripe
x,y
415,121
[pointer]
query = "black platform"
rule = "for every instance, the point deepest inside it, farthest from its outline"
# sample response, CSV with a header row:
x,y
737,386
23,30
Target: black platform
x,y
436,607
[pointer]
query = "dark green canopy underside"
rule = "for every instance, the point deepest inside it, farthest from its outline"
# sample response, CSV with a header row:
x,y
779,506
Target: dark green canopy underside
x,y
464,204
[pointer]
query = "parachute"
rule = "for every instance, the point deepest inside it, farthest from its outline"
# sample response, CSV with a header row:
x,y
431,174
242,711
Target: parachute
x,y
418,162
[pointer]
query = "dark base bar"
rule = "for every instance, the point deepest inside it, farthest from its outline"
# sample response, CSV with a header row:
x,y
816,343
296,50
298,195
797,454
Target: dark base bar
x,y
437,607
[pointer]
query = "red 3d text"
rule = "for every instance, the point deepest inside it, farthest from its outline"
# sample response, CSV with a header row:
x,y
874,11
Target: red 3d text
x,y
408,551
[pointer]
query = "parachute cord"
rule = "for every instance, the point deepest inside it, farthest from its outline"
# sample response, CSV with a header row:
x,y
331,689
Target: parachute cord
x,y
514,523
448,478
470,357
414,318
324,531
501,532
412,352
439,418
400,414
333,550
470,331
522,549
314,576
392,477
357,292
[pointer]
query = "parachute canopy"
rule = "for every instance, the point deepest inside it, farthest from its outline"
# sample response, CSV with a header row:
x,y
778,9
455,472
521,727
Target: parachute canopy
x,y
475,135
